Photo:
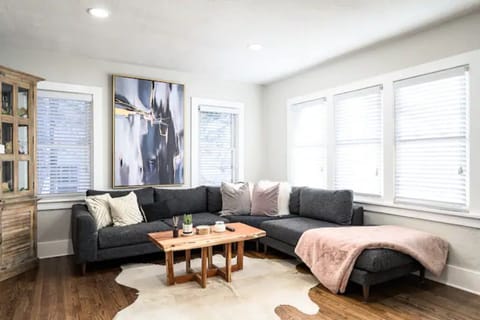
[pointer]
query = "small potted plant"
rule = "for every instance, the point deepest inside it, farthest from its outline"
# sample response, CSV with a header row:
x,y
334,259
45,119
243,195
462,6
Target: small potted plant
x,y
187,224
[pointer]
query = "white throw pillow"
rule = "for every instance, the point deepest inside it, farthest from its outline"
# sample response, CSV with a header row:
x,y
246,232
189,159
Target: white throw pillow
x,y
99,208
125,210
283,195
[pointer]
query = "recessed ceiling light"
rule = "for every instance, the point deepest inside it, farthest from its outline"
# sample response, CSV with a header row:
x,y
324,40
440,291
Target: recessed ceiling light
x,y
98,12
255,47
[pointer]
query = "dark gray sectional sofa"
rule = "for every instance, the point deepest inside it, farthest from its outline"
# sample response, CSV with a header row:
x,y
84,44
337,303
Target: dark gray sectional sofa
x,y
309,208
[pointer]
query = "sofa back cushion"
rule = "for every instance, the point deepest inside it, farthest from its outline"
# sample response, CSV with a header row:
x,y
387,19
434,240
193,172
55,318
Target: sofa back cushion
x,y
332,206
294,201
144,196
172,202
214,199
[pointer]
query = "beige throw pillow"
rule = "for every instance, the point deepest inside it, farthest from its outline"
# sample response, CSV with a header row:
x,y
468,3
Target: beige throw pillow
x,y
265,200
284,191
235,198
125,210
99,208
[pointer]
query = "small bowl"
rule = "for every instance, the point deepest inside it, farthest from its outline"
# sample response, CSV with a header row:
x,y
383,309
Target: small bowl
x,y
202,230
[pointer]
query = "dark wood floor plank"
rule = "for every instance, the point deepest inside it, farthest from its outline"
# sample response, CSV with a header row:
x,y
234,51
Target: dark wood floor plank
x,y
56,290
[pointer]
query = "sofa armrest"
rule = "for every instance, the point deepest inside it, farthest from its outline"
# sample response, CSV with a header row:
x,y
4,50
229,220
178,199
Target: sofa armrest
x,y
84,234
357,217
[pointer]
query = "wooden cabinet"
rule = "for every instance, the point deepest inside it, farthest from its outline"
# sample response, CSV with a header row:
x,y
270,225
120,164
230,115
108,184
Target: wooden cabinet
x,y
18,250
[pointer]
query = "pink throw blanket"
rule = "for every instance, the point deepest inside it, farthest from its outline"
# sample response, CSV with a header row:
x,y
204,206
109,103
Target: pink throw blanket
x,y
331,253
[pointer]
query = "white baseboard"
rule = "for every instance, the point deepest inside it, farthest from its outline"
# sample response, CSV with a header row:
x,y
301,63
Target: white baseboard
x,y
460,278
57,248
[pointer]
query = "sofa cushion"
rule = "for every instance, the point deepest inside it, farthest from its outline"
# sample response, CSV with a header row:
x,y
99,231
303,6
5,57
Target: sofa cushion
x,y
214,199
290,230
144,196
377,260
235,198
265,199
255,221
111,237
203,218
294,202
171,202
327,205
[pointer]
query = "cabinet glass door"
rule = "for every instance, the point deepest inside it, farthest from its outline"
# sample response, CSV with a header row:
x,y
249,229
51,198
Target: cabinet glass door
x,y
22,103
22,139
7,138
7,99
22,175
7,176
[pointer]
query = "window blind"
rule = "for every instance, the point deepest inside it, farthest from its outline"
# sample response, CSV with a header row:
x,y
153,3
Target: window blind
x,y
308,154
217,145
64,140
358,140
431,139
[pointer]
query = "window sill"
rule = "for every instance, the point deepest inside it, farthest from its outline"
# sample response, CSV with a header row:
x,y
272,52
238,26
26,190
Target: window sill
x,y
59,202
471,219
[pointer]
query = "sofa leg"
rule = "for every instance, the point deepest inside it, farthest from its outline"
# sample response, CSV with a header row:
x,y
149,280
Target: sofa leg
x,y
366,292
257,245
265,249
422,275
83,268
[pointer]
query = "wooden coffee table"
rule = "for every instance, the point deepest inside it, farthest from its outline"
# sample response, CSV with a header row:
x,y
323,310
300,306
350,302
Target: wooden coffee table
x,y
165,241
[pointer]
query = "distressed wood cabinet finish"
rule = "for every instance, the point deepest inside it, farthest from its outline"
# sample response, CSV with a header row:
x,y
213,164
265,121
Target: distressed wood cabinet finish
x,y
18,205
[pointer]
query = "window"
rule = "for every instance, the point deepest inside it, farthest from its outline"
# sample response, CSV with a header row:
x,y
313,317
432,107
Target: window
x,y
216,142
64,142
358,140
431,139
308,143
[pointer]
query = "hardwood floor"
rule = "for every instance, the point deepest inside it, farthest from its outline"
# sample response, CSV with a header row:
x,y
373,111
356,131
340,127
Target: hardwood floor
x,y
56,290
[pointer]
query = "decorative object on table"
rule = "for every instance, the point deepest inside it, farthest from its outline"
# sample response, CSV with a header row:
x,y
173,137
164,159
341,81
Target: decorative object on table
x,y
187,224
203,230
148,132
175,226
219,226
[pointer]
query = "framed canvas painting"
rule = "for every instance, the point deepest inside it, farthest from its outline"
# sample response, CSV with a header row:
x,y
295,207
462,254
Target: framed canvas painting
x,y
148,132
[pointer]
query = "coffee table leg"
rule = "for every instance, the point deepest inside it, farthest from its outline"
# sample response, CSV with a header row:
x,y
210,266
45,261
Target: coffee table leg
x,y
187,261
228,262
169,264
204,267
240,251
210,257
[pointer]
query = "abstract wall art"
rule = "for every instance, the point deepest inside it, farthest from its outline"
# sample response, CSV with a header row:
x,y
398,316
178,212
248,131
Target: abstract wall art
x,y
148,132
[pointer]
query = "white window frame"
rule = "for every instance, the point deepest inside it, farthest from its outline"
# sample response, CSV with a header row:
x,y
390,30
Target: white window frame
x,y
386,204
436,204
292,103
380,170
219,105
64,200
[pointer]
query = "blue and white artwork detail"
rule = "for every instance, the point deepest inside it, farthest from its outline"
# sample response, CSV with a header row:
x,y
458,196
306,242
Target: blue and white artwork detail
x,y
148,132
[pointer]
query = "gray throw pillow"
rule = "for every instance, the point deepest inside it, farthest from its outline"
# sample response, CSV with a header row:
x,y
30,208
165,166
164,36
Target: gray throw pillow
x,y
327,205
265,199
235,198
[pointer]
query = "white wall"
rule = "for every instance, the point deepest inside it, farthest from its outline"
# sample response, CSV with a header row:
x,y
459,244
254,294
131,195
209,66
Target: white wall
x,y
54,225
443,41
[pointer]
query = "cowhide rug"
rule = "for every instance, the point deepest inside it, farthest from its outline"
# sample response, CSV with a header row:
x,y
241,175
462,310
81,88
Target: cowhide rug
x,y
253,293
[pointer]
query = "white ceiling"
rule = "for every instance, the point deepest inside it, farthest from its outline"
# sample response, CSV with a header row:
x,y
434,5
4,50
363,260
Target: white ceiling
x,y
211,36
